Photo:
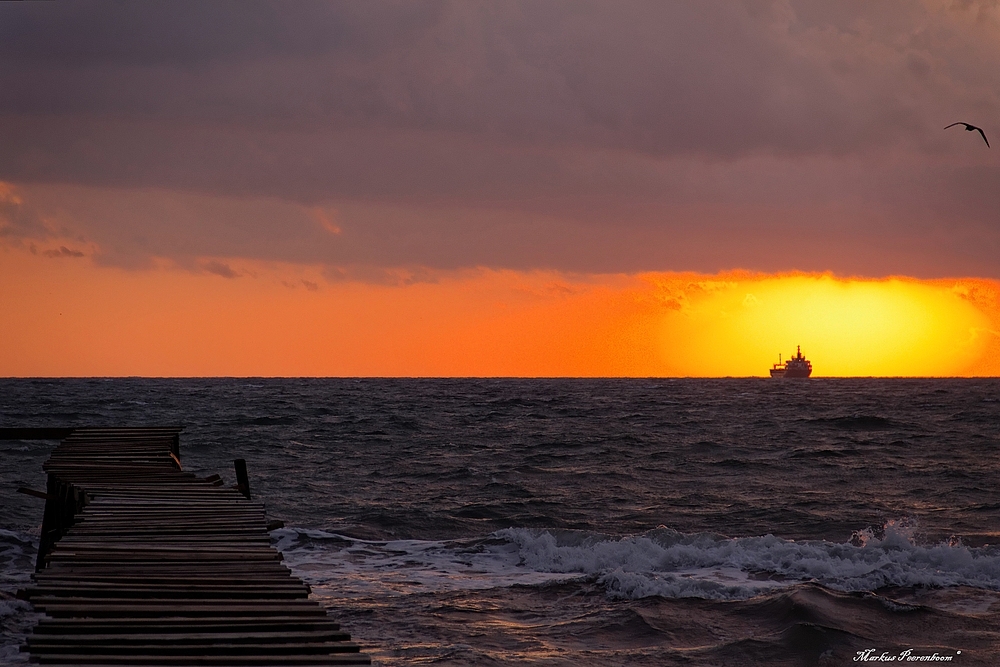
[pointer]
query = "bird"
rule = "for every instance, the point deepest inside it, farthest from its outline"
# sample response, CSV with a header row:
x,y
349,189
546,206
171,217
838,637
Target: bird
x,y
971,128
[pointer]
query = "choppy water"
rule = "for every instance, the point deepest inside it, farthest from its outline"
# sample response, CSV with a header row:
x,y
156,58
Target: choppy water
x,y
560,522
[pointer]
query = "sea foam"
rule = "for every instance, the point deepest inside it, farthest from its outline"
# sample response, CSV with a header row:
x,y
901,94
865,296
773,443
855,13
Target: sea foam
x,y
671,564
659,562
17,552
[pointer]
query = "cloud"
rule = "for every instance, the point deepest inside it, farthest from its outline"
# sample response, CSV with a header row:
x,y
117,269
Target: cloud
x,y
219,269
132,228
582,136
720,78
62,251
18,221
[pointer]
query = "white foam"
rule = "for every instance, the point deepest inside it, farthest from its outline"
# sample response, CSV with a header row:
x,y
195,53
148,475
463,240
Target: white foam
x,y
16,620
667,563
361,568
16,617
661,562
17,555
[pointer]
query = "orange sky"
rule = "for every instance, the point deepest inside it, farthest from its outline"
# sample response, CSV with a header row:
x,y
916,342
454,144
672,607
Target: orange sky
x,y
64,316
655,190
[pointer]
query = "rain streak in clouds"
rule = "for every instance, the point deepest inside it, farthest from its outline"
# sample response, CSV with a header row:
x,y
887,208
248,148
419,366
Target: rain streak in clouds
x,y
587,137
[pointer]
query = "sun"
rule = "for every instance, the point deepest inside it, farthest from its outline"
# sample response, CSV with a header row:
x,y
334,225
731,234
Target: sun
x,y
846,327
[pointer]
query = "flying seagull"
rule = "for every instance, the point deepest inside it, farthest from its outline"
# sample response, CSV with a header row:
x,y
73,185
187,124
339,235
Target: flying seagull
x,y
971,128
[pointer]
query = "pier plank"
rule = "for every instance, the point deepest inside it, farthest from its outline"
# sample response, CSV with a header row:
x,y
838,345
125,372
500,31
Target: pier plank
x,y
142,563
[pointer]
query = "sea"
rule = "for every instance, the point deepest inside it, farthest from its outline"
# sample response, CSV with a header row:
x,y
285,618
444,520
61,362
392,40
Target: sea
x,y
585,522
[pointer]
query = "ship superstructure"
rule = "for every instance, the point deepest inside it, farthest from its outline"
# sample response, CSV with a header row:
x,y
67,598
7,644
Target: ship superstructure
x,y
796,367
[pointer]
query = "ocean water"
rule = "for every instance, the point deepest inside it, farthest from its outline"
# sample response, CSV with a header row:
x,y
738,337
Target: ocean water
x,y
588,522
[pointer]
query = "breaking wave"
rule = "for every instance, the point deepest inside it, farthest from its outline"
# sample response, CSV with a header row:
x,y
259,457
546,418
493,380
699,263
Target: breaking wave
x,y
660,562
17,555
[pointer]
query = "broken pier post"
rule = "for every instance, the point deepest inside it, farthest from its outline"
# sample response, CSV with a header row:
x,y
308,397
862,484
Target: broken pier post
x,y
242,481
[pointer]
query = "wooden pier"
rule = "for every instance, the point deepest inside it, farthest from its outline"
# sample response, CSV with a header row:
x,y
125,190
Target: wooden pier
x,y
141,563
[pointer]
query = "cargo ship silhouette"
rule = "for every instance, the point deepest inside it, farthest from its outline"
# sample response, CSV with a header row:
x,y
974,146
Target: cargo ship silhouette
x,y
796,367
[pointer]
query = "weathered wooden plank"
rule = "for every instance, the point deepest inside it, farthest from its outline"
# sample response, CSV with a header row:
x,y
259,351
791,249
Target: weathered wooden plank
x,y
170,571
131,625
157,559
156,566
197,661
133,592
189,609
182,647
194,578
178,570
143,550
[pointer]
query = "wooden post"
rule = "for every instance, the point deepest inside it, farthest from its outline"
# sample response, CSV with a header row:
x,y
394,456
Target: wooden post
x,y
242,481
46,538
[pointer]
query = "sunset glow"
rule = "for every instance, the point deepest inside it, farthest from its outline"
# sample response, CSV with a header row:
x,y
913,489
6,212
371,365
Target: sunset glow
x,y
67,317
895,327
528,189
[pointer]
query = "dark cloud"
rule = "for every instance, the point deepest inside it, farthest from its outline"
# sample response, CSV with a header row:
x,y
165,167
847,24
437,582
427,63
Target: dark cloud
x,y
567,134
19,221
61,252
220,269
132,227
716,77
187,33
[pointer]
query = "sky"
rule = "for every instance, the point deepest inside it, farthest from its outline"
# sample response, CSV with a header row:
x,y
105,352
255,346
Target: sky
x,y
499,188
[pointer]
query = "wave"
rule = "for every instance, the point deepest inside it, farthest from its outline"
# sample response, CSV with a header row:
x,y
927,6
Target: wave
x,y
274,421
670,564
661,562
361,568
859,422
17,555
17,558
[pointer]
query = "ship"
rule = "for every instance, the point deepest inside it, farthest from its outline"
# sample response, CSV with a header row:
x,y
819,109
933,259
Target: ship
x,y
796,367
